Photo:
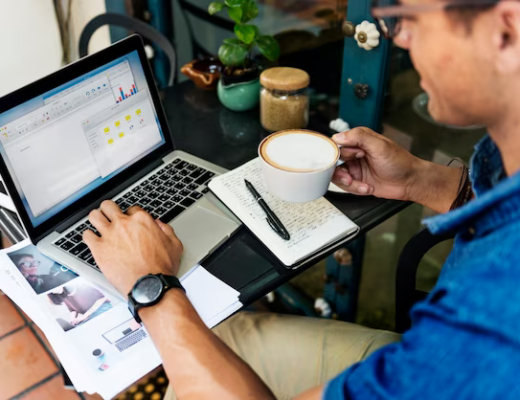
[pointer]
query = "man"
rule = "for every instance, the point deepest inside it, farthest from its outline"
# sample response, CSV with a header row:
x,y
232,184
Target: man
x,y
84,303
29,267
465,342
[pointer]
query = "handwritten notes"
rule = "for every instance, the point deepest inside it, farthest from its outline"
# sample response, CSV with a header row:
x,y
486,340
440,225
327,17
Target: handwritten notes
x,y
312,226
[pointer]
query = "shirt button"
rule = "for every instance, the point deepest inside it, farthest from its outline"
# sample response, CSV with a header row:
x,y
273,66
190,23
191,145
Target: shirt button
x,y
470,233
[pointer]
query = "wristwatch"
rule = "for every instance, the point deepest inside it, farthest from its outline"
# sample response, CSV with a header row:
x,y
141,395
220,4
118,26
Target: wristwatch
x,y
149,290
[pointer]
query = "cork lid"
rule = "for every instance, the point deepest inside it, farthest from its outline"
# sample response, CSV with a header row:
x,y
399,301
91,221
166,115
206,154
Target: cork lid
x,y
284,78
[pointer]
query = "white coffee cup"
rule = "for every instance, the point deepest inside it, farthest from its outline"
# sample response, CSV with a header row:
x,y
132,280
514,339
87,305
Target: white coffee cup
x,y
298,164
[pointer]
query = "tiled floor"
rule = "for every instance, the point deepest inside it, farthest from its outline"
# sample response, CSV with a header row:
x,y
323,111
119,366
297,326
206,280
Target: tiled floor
x,y
28,369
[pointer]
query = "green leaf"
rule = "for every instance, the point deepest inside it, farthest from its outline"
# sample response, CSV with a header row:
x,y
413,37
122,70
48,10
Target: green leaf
x,y
235,13
233,55
269,47
234,3
232,41
215,7
246,33
250,10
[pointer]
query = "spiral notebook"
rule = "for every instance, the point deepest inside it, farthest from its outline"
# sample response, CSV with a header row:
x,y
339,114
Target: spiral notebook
x,y
315,227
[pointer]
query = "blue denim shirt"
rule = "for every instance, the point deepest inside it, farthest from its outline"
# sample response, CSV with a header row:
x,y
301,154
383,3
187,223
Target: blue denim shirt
x,y
465,337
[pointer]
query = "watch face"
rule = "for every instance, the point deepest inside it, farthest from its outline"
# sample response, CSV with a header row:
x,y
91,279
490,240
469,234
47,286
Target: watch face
x,y
147,290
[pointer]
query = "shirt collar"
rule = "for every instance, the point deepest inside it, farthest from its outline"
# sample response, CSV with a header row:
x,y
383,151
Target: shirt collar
x,y
497,197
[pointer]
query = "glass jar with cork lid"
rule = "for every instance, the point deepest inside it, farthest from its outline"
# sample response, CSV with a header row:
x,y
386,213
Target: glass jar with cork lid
x,y
284,101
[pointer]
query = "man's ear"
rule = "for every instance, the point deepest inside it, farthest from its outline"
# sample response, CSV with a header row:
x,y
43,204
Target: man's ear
x,y
506,36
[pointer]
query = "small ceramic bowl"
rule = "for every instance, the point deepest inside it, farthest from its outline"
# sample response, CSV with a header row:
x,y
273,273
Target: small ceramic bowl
x,y
204,73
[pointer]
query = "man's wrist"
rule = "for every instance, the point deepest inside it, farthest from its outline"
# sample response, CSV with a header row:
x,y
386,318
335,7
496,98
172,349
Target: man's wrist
x,y
434,186
149,291
175,300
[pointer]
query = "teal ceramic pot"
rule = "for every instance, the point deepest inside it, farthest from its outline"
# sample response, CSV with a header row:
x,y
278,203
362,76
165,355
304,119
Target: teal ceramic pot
x,y
239,96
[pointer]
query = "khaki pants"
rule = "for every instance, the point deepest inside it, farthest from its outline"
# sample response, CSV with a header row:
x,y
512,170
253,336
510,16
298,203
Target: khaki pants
x,y
292,354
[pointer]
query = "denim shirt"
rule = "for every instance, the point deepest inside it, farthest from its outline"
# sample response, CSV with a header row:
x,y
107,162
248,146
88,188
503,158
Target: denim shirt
x,y
465,337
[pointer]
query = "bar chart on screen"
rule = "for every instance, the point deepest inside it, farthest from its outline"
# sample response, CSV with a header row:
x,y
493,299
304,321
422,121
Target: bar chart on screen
x,y
123,93
123,86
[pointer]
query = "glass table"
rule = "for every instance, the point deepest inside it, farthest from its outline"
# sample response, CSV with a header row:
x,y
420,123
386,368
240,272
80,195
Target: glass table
x,y
201,126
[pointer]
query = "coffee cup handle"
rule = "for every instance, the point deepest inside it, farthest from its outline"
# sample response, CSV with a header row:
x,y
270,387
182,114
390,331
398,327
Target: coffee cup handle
x,y
340,161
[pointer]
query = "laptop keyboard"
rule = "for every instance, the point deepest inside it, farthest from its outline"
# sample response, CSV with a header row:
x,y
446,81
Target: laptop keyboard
x,y
164,195
131,339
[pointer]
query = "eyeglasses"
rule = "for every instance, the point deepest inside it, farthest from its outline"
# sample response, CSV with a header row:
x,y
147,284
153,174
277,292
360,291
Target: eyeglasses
x,y
29,264
389,14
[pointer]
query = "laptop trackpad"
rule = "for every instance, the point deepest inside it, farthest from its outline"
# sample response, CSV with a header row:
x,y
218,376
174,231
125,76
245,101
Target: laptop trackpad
x,y
201,231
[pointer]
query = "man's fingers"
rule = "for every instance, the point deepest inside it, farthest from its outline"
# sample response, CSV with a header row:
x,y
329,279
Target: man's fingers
x,y
351,153
90,238
98,219
360,137
342,174
165,228
134,209
111,210
353,168
168,230
343,179
355,187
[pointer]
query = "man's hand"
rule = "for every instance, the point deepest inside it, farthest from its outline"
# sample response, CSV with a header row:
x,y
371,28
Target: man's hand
x,y
78,320
131,245
375,165
134,245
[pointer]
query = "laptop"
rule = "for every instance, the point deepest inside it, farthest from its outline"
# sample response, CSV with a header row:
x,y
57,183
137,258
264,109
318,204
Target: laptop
x,y
125,335
96,130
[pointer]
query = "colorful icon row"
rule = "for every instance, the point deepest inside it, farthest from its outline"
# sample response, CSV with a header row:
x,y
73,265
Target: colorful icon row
x,y
111,141
118,123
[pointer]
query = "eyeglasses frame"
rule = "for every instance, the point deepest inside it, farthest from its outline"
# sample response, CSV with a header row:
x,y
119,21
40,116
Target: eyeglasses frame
x,y
403,10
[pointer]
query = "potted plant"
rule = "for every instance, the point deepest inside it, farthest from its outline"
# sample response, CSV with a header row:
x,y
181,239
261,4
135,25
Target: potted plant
x,y
239,85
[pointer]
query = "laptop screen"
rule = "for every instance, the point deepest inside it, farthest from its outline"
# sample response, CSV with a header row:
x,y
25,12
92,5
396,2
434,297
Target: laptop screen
x,y
61,145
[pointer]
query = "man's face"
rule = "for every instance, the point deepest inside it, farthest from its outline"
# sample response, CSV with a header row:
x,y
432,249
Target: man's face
x,y
27,266
450,63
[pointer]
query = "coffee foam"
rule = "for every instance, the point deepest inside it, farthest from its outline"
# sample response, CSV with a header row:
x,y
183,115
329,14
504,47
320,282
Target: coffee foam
x,y
299,151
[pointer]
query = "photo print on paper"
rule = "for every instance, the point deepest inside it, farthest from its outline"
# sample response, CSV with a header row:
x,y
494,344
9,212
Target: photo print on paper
x,y
76,303
126,334
42,273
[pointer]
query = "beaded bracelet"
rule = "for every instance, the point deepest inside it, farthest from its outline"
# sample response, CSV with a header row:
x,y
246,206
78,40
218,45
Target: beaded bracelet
x,y
465,191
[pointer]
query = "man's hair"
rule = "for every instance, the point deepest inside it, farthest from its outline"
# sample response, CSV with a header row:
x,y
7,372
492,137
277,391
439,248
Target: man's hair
x,y
17,258
467,11
58,298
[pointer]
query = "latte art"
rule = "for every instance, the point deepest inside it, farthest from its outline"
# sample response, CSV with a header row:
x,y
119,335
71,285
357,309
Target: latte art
x,y
299,151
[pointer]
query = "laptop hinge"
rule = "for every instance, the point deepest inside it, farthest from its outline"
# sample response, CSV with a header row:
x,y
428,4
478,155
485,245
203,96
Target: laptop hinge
x,y
81,214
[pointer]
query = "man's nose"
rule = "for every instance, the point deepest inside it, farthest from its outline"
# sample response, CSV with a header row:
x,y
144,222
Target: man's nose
x,y
403,39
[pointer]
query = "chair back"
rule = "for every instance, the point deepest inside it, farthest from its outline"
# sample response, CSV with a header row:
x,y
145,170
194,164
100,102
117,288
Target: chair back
x,y
406,295
134,25
203,15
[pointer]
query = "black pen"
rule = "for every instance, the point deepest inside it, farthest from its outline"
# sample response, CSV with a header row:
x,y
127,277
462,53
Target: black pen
x,y
272,219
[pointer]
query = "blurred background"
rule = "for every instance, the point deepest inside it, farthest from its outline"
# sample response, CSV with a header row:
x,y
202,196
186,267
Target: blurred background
x,y
40,36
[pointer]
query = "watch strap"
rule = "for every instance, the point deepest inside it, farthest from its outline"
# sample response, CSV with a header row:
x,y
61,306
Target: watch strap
x,y
134,307
171,282
168,281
